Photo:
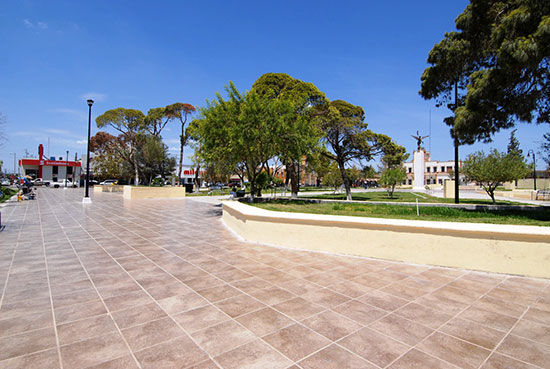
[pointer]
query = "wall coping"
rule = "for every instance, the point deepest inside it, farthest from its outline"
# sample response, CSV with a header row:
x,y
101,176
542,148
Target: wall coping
x,y
482,230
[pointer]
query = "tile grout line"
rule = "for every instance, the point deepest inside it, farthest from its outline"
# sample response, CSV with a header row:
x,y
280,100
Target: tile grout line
x,y
100,297
49,288
510,332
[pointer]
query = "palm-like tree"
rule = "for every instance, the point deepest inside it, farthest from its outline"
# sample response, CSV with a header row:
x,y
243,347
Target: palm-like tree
x,y
180,111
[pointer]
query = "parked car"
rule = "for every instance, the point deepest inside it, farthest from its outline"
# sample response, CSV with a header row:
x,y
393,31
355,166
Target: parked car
x,y
40,182
62,184
109,182
5,182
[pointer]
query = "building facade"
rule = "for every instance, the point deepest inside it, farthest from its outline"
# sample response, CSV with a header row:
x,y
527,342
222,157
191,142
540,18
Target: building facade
x,y
435,171
52,169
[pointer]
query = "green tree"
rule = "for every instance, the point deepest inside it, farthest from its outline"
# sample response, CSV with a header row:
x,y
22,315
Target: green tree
x,y
513,144
499,57
348,138
155,121
236,132
153,158
491,170
294,102
130,123
111,157
180,111
333,177
391,177
545,149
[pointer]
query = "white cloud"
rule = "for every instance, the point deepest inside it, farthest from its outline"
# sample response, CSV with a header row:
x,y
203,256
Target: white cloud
x,y
30,25
81,115
173,148
96,96
82,142
172,140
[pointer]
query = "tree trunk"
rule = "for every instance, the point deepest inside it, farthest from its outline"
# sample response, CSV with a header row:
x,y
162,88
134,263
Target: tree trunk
x,y
291,172
182,144
196,180
345,179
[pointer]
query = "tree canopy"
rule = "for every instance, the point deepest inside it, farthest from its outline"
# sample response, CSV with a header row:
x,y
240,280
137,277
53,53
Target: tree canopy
x,y
493,169
349,139
500,59
293,103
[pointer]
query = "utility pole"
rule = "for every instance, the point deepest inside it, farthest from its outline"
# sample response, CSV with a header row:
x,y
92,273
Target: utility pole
x,y
456,148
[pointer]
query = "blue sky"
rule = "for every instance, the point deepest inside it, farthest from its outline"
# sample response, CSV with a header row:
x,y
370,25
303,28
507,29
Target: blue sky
x,y
143,54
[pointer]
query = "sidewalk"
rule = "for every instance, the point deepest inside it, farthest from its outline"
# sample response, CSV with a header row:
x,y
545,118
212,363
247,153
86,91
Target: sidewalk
x,y
164,284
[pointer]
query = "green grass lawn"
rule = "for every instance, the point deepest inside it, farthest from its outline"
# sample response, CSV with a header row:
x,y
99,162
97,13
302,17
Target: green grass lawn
x,y
404,197
6,193
445,214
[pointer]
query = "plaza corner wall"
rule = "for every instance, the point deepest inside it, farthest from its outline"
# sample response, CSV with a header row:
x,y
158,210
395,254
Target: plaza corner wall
x,y
511,249
166,192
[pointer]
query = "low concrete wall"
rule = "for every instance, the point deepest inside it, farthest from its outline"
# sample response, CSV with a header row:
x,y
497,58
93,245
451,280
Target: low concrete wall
x,y
517,194
108,188
168,192
512,249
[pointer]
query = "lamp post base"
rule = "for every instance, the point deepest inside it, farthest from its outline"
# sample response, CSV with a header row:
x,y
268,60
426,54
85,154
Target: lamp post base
x,y
86,200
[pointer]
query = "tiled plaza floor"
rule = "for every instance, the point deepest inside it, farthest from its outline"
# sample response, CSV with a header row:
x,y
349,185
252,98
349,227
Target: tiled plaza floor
x,y
163,284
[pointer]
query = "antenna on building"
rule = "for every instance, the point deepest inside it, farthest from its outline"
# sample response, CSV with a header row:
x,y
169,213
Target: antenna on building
x,y
430,133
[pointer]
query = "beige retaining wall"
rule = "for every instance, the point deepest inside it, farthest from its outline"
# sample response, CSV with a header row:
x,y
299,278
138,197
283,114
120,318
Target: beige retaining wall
x,y
523,250
108,188
168,192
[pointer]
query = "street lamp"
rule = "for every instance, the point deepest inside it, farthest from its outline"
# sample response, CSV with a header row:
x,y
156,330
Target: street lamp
x,y
66,167
534,168
86,199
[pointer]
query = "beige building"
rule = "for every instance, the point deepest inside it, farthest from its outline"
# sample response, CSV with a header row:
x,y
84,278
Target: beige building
x,y
435,171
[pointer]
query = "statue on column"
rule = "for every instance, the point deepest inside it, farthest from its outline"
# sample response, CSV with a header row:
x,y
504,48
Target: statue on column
x,y
419,139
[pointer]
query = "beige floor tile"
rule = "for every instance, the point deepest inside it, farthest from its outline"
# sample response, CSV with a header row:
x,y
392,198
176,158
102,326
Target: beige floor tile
x,y
401,329
86,328
26,343
264,321
296,341
200,318
256,354
222,337
298,308
335,357
374,347
452,350
331,325
473,332
48,359
361,313
138,315
93,351
180,352
526,350
415,359
151,333
239,305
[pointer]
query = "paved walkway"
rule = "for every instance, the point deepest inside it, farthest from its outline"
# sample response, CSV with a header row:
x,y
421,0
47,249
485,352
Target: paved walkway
x,y
163,284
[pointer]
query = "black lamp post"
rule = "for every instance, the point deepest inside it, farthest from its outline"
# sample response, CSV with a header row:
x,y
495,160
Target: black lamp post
x,y
534,168
86,195
66,167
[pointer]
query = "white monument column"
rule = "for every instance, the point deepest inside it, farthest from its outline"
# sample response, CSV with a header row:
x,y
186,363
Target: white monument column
x,y
418,169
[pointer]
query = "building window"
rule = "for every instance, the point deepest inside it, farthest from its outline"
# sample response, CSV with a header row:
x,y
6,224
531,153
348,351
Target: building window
x,y
410,181
428,169
440,181
69,170
435,169
449,169
55,168
410,170
428,180
442,169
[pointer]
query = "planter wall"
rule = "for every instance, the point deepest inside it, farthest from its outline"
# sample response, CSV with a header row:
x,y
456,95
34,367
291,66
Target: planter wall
x,y
512,249
168,192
